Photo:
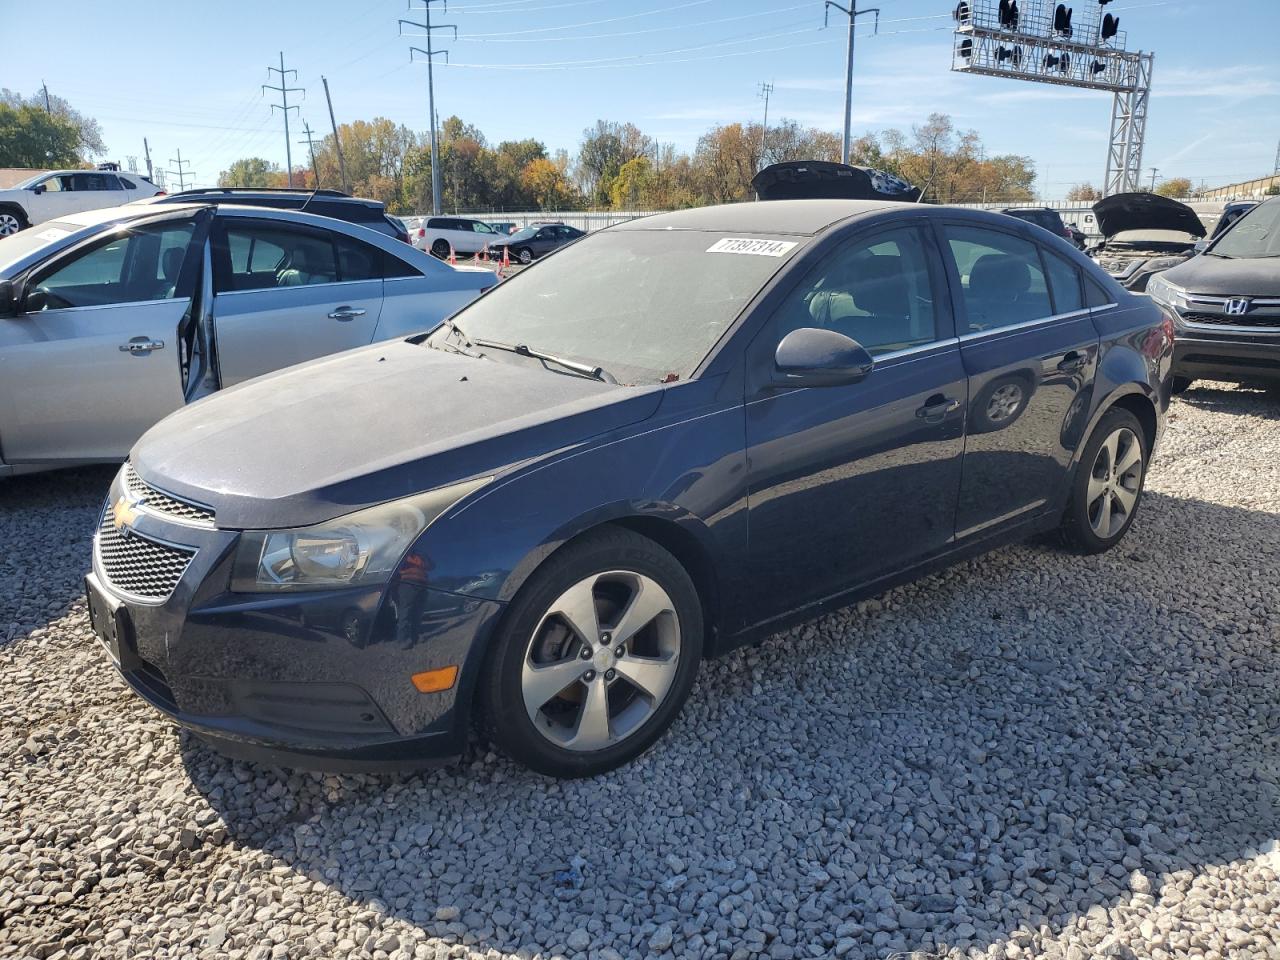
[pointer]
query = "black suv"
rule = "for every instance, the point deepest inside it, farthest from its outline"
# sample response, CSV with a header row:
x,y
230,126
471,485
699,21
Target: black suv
x,y
1226,305
1050,220
323,203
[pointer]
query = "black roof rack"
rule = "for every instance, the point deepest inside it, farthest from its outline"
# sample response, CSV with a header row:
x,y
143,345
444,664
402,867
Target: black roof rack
x,y
196,191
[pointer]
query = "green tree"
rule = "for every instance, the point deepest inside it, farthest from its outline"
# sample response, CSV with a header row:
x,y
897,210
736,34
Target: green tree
x,y
605,148
251,172
88,134
29,137
1084,191
1174,187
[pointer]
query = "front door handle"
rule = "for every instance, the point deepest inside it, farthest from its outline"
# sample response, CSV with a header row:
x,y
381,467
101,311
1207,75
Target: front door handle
x,y
346,313
141,346
938,407
1073,362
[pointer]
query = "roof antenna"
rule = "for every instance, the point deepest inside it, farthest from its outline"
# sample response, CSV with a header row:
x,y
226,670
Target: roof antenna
x,y
310,198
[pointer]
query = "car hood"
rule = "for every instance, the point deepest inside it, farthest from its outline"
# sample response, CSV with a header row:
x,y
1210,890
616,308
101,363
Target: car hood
x,y
1227,278
322,439
1145,211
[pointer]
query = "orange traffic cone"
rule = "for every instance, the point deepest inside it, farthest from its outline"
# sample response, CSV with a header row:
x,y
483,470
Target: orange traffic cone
x,y
453,258
484,254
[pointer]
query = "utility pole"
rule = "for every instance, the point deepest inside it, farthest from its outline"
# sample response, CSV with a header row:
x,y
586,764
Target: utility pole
x,y
1154,171
310,142
45,87
1277,170
337,143
431,53
284,90
146,147
766,89
853,13
180,173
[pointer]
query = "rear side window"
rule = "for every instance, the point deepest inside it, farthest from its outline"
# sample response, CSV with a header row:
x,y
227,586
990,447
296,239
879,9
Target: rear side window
x,y
1095,294
437,223
260,256
356,260
393,267
128,184
1064,283
1002,282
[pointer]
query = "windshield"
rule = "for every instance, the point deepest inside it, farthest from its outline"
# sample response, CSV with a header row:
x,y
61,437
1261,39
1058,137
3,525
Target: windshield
x,y
524,234
1255,235
30,181
646,305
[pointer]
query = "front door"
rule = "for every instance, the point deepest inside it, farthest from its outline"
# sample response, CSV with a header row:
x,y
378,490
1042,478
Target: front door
x,y
52,197
285,293
1030,350
851,483
92,360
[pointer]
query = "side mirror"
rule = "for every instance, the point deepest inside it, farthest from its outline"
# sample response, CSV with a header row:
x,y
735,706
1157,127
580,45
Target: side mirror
x,y
38,188
8,298
812,357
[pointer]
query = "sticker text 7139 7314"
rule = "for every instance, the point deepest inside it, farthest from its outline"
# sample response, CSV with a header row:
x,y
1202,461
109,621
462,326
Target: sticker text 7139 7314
x,y
759,248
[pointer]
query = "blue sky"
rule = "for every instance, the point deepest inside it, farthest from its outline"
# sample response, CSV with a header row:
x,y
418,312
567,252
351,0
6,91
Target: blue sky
x,y
188,76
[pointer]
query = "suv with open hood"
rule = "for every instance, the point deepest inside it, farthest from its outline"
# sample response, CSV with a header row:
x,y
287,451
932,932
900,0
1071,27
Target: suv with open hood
x,y
1142,234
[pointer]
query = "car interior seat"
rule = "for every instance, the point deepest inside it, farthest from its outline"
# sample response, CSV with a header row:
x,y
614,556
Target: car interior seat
x,y
870,303
303,269
999,293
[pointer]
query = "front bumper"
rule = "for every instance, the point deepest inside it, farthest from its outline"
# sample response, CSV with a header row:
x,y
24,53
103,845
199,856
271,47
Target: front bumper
x,y
1234,358
318,680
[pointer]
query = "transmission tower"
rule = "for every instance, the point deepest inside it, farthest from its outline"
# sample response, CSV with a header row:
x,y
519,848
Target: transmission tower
x,y
1037,40
283,106
431,53
853,13
180,173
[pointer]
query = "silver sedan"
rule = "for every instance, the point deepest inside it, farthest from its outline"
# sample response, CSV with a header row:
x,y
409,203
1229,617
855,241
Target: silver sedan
x,y
112,319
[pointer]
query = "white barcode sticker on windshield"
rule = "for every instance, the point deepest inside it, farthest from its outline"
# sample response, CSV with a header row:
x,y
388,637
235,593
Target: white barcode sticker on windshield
x,y
760,248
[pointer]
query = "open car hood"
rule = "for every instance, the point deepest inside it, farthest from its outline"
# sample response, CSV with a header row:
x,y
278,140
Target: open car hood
x,y
1144,211
823,180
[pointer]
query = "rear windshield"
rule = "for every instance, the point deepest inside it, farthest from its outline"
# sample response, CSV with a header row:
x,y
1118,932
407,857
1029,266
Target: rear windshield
x,y
647,306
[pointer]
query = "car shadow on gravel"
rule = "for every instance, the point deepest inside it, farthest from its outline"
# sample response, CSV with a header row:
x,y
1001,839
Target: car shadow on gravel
x,y
46,528
993,755
1240,401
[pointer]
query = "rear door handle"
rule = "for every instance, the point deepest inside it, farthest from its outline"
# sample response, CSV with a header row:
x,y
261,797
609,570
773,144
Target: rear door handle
x,y
938,407
140,346
1073,362
346,313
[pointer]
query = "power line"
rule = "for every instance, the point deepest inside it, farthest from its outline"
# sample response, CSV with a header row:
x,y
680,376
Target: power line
x,y
180,173
593,23
284,90
431,53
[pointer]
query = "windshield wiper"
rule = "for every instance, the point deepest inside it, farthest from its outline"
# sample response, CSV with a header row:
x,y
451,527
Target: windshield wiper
x,y
524,350
1220,256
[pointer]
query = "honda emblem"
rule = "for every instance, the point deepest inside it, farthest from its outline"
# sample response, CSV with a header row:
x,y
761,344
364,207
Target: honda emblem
x,y
1237,306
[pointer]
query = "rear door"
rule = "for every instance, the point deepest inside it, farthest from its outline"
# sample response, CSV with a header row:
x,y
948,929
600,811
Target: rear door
x,y
93,191
1030,350
285,293
92,361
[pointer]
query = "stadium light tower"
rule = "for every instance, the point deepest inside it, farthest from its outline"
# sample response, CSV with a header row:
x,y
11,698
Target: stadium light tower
x,y
1045,42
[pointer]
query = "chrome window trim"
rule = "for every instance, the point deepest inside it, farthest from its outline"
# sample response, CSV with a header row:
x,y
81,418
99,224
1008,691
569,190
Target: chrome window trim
x,y
107,306
914,352
1027,324
302,286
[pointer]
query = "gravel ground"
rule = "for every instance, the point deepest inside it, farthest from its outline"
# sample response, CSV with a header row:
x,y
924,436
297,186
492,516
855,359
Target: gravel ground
x,y
1033,754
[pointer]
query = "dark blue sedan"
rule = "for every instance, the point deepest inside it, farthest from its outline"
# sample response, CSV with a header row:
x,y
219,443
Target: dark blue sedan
x,y
676,436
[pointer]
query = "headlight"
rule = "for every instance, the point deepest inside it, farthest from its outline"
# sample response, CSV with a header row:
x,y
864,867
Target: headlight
x,y
362,547
1162,291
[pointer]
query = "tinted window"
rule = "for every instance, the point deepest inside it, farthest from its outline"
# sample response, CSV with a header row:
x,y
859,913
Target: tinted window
x,y
138,265
128,184
1001,280
1095,294
437,223
262,256
90,181
1064,282
356,260
875,290
393,266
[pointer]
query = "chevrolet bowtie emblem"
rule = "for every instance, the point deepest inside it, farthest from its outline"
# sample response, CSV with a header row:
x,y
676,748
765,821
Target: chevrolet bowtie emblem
x,y
123,513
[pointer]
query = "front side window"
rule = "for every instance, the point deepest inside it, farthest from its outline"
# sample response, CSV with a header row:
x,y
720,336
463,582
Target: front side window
x,y
131,266
646,305
874,290
479,227
1001,280
262,256
55,184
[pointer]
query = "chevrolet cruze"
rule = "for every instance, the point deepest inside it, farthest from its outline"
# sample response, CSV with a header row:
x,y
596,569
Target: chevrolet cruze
x,y
675,436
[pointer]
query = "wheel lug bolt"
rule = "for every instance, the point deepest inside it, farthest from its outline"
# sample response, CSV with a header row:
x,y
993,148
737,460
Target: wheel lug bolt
x,y
586,653
606,637
620,651
589,676
610,674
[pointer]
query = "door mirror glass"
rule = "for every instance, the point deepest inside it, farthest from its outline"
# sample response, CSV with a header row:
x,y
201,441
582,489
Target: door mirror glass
x,y
39,188
814,357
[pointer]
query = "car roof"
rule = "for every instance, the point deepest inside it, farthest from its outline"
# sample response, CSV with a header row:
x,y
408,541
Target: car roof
x,y
805,217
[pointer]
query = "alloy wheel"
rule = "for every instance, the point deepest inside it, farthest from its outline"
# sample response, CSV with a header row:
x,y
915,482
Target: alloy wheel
x,y
1004,403
601,660
1114,483
526,256
9,224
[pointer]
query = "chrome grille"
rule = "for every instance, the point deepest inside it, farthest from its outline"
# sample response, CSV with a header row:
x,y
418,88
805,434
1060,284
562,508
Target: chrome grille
x,y
160,502
135,565
1239,320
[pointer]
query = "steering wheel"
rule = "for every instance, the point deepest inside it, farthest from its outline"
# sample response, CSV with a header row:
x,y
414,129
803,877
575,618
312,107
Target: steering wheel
x,y
52,301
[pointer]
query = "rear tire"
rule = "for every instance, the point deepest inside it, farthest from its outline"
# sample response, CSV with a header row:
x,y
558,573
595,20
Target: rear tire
x,y
440,249
556,696
12,219
524,255
1179,385
1107,488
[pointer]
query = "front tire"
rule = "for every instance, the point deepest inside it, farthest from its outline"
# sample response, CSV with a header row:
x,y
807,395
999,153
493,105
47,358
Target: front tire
x,y
1179,385
1107,488
594,658
12,219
